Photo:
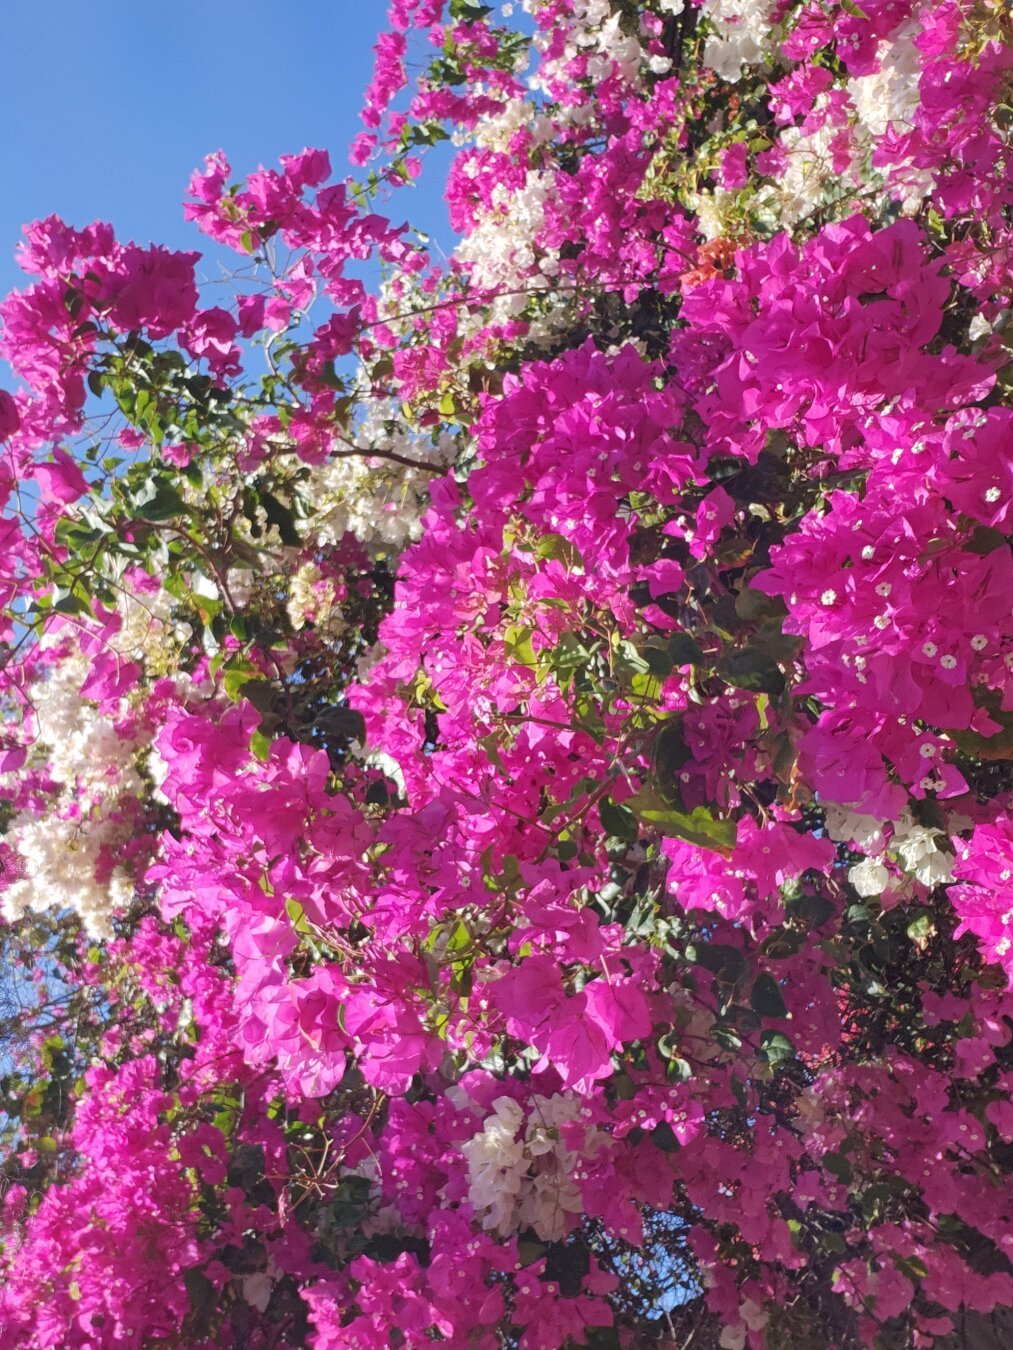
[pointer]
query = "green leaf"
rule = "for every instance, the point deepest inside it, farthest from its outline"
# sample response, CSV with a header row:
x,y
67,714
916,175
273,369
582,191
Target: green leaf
x,y
618,820
157,499
766,997
192,472
985,540
670,753
684,650
838,1166
459,937
73,603
725,962
646,686
517,642
727,1037
346,723
469,11
658,661
910,1266
698,826
678,1070
753,605
143,401
259,692
663,1137
921,927
602,1338
776,1047
297,914
558,549
629,661
529,1252
753,670
236,676
814,909
282,518
203,1297
570,656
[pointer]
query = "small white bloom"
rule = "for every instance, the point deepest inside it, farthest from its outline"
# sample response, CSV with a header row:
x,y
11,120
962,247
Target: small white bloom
x,y
869,877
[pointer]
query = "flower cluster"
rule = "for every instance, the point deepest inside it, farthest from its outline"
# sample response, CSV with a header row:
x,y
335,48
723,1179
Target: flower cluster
x,y
504,777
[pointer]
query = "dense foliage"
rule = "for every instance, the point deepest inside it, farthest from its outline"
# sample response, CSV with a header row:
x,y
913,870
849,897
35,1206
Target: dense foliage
x,y
505,760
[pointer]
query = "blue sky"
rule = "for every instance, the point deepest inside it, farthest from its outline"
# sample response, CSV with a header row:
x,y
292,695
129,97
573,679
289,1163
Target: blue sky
x,y
108,105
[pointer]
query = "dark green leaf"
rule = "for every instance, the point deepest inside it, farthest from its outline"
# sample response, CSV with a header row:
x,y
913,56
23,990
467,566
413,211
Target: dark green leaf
x,y
281,517
203,1298
753,670
618,820
814,909
910,1266
663,1137
766,997
725,962
838,1166
670,753
529,1252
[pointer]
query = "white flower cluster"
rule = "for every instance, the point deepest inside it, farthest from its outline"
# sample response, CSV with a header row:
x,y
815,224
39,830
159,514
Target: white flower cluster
x,y
754,1318
60,856
84,750
597,32
808,172
520,1171
889,96
887,99
808,169
500,257
499,252
495,131
378,500
712,211
312,599
92,760
920,851
741,35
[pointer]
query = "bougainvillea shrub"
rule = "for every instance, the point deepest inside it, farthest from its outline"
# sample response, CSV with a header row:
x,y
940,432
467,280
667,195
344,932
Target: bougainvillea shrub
x,y
505,769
